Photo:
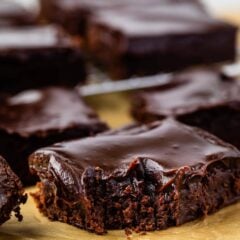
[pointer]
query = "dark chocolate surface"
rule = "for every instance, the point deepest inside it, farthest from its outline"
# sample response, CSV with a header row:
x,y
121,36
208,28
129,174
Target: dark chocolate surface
x,y
37,112
158,38
168,146
190,91
11,193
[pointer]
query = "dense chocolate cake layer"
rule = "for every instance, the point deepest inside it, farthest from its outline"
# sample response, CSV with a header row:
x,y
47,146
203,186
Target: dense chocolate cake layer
x,y
149,177
158,38
37,118
204,98
11,192
33,57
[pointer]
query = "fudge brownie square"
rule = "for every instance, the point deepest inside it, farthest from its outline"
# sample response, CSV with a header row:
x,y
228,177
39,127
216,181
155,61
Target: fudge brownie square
x,y
205,98
39,56
15,13
38,118
158,38
11,192
142,177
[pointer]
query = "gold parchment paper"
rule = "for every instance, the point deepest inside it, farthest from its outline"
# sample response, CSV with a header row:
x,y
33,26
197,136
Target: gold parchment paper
x,y
113,108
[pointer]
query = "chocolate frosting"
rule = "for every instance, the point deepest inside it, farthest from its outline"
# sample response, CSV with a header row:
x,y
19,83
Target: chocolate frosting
x,y
162,147
48,36
34,112
191,91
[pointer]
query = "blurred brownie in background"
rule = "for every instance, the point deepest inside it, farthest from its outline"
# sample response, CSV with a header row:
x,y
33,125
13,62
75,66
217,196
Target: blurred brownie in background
x,y
15,13
158,38
204,98
39,56
37,118
11,192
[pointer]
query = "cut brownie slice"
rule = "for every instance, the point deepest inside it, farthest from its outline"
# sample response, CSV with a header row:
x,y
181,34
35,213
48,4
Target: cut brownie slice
x,y
11,193
37,118
158,38
147,178
14,13
204,98
33,57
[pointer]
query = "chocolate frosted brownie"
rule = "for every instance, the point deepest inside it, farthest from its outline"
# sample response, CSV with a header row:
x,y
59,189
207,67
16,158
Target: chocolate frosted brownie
x,y
204,98
158,38
38,118
146,178
14,13
11,193
33,57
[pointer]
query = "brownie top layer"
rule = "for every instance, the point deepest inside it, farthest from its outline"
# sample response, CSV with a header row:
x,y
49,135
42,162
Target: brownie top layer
x,y
39,112
160,147
37,37
173,18
191,91
15,13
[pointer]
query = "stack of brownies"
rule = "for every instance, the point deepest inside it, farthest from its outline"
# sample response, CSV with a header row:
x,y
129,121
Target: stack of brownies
x,y
180,161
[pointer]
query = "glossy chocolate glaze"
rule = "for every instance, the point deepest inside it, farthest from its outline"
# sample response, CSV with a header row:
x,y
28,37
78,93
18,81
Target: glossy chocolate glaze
x,y
161,147
40,112
38,37
190,91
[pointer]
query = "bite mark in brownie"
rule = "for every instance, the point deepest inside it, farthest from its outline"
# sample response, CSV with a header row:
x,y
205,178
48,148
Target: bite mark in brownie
x,y
39,56
205,98
11,193
38,118
143,177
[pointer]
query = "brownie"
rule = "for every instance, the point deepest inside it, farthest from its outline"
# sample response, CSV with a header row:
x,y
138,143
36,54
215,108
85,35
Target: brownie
x,y
74,15
142,177
158,38
205,98
15,13
38,118
39,56
11,192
